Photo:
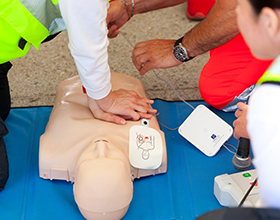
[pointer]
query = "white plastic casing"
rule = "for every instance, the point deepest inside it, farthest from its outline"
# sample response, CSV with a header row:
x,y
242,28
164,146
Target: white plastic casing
x,y
205,130
230,189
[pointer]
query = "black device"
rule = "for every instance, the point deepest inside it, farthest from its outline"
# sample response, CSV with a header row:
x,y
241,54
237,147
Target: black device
x,y
242,160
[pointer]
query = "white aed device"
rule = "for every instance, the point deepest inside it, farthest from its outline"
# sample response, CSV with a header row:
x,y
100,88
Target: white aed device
x,y
205,130
145,147
230,189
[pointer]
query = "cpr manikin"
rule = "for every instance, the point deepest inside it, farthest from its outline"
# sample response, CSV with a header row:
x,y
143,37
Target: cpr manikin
x,y
95,154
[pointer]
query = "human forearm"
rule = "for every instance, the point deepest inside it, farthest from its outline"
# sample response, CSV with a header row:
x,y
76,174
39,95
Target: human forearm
x,y
216,29
142,6
121,11
88,43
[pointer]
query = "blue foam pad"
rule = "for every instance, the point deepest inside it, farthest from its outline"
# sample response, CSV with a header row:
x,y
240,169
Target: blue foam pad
x,y
184,192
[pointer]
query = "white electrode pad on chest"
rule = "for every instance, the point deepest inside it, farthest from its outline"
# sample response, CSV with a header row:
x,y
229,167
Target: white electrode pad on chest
x,y
205,130
145,147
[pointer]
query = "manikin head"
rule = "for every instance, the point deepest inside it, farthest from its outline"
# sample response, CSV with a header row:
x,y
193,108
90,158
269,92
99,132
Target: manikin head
x,y
259,23
103,188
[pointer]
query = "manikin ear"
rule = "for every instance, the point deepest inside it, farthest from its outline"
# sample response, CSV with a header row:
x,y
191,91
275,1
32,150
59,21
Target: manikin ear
x,y
270,20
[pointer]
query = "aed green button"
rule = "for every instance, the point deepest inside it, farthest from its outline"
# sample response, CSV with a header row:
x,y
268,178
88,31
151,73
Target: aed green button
x,y
246,175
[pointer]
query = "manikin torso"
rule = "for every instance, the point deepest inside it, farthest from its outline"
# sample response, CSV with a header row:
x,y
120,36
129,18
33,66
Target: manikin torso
x,y
93,154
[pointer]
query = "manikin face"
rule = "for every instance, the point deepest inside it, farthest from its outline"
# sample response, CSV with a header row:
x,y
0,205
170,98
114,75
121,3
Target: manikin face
x,y
104,148
103,188
254,29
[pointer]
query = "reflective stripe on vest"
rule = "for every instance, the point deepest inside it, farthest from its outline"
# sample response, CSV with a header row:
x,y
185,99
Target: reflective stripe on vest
x,y
272,74
19,28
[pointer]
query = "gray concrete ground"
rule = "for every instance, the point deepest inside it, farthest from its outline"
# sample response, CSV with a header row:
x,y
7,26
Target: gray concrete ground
x,y
34,78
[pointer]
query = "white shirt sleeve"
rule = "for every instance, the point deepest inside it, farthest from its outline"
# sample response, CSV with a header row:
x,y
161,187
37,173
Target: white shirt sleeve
x,y
263,126
87,30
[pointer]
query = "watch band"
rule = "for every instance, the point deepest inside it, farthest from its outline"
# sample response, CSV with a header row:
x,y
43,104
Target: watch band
x,y
178,41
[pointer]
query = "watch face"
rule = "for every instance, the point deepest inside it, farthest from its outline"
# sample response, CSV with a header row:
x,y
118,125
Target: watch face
x,y
180,53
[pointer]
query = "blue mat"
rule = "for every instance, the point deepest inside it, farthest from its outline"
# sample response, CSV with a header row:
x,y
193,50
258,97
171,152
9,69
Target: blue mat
x,y
184,192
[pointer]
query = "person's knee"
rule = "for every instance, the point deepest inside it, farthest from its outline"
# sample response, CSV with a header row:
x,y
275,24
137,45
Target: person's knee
x,y
214,92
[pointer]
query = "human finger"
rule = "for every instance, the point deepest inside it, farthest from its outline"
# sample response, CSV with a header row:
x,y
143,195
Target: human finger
x,y
134,93
145,68
140,60
240,128
130,112
238,113
234,123
241,106
236,136
145,115
110,118
139,100
144,104
152,111
100,114
149,101
113,31
139,107
140,53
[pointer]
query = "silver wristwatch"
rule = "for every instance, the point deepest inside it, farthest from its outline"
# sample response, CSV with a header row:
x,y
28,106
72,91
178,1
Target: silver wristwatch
x,y
180,52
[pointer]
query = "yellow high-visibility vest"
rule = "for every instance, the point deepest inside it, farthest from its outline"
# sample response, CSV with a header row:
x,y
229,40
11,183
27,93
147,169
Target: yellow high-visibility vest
x,y
25,23
272,74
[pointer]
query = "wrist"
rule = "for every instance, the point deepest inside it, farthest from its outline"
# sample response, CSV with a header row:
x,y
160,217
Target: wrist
x,y
187,44
140,7
106,102
129,7
196,43
180,52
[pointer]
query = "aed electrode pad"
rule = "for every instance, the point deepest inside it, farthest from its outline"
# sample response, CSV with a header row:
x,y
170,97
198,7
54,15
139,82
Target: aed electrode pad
x,y
145,147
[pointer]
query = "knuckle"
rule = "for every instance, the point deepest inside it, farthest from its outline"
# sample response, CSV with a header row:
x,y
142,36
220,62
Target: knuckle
x,y
127,110
133,92
133,99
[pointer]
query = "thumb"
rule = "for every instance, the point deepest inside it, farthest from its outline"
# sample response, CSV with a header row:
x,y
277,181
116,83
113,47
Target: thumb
x,y
145,68
110,118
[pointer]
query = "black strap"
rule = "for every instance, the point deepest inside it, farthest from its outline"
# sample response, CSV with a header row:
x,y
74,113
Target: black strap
x,y
50,37
271,82
178,41
21,44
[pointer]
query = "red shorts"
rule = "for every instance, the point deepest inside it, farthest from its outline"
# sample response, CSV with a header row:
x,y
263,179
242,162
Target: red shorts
x,y
230,70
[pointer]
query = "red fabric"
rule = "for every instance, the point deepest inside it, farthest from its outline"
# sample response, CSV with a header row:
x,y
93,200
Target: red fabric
x,y
198,9
84,90
230,70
